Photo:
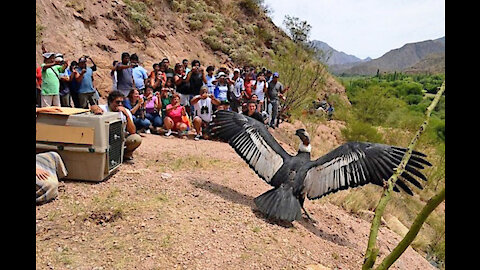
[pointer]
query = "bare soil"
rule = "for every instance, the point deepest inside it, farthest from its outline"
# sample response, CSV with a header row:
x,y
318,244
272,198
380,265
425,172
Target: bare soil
x,y
188,204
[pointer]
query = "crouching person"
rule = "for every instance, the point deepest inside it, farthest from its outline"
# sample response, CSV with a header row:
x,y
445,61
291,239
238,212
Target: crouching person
x,y
115,104
49,168
203,110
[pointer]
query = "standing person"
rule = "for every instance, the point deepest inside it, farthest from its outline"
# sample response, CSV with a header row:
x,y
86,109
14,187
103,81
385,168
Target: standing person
x,y
151,75
175,117
182,83
125,75
38,92
140,77
260,88
50,94
196,78
65,79
84,77
221,88
185,66
203,110
168,70
238,91
275,89
73,84
210,79
268,76
113,75
115,104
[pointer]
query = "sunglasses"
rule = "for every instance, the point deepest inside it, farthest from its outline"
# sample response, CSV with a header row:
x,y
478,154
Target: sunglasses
x,y
118,102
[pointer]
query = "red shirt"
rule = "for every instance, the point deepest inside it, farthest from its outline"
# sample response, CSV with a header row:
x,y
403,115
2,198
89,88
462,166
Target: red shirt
x,y
39,76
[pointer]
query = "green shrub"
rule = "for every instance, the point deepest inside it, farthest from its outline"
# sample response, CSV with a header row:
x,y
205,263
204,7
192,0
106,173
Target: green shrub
x,y
195,25
212,32
136,12
213,42
361,131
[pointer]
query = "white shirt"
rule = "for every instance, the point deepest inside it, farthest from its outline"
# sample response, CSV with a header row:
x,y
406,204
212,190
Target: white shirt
x,y
105,108
206,116
259,85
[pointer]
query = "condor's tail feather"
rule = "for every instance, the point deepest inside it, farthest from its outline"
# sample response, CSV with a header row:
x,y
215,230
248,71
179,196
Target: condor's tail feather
x,y
280,203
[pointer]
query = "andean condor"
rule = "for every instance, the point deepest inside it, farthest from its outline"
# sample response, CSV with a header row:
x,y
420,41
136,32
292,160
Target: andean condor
x,y
296,177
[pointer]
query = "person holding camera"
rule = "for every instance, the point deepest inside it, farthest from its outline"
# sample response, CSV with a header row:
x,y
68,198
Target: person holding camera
x,y
84,78
176,117
50,87
203,110
260,88
125,74
136,105
153,107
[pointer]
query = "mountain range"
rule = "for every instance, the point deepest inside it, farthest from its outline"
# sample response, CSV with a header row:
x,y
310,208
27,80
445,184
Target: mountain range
x,y
419,57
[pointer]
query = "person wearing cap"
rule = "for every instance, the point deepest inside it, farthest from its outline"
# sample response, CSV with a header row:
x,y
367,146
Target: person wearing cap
x,y
221,88
84,78
275,90
203,111
238,90
50,87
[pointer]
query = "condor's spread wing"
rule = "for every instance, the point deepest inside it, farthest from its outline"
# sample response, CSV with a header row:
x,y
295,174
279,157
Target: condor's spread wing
x,y
356,163
252,141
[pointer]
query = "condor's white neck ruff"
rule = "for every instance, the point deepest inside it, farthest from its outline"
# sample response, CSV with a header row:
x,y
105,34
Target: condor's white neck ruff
x,y
303,148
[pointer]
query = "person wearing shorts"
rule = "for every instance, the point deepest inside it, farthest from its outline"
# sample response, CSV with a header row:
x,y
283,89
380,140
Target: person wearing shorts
x,y
175,117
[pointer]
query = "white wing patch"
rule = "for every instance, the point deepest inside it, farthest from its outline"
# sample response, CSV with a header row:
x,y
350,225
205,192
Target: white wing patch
x,y
335,174
257,153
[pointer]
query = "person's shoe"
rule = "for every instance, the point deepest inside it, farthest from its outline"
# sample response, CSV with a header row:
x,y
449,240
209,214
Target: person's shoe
x,y
148,131
168,133
128,160
198,137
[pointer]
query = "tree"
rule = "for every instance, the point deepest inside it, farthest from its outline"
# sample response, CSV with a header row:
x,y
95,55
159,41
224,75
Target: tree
x,y
298,31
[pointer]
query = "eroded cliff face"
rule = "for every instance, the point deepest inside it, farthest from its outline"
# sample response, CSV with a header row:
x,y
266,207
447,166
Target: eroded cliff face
x,y
104,29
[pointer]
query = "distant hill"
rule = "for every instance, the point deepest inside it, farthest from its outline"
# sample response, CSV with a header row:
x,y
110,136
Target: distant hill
x,y
330,56
419,57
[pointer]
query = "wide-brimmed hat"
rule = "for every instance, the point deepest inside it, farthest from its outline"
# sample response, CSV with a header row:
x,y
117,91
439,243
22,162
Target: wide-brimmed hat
x,y
221,74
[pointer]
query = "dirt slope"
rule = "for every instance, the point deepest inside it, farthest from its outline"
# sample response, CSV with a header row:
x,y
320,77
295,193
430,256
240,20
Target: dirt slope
x,y
189,205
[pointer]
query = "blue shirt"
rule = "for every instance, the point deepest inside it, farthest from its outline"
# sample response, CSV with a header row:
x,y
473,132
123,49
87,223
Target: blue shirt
x,y
86,85
139,75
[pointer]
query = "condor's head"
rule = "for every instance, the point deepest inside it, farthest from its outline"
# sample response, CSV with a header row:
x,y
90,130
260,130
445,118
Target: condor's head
x,y
305,138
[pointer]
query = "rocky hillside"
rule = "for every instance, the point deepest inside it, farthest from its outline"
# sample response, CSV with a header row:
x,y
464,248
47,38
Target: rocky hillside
x,y
425,57
214,31
330,56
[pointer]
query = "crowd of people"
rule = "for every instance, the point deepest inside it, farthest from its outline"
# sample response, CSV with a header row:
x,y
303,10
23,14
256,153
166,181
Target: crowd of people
x,y
168,99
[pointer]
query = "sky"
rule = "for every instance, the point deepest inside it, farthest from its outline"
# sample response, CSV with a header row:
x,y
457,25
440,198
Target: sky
x,y
365,28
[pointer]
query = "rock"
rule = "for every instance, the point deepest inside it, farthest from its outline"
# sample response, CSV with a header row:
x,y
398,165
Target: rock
x,y
166,176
